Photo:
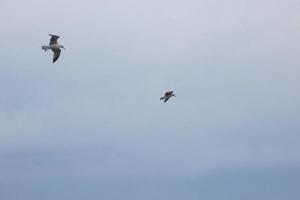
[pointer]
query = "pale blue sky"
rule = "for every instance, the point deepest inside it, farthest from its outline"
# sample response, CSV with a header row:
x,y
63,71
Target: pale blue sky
x,y
91,126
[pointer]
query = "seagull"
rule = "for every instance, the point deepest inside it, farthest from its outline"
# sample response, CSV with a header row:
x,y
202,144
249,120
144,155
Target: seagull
x,y
167,96
54,46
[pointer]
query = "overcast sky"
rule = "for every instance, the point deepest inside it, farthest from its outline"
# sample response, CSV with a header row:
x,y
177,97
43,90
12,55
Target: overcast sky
x,y
91,126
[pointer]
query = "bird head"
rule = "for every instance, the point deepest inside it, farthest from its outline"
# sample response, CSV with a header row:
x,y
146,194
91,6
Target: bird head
x,y
62,46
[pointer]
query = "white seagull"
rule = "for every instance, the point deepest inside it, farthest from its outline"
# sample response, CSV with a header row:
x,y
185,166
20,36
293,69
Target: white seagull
x,y
54,46
167,96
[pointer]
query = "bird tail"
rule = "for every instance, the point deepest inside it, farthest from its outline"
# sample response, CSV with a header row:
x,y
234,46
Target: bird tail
x,y
45,48
162,98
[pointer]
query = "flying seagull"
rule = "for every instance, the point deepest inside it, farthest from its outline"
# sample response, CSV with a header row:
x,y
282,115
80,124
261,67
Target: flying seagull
x,y
167,96
54,46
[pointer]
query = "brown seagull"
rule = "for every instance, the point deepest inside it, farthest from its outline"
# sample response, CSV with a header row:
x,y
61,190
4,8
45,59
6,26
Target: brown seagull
x,y
54,46
167,96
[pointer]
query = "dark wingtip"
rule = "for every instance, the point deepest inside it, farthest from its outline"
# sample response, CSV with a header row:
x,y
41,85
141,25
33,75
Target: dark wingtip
x,y
52,35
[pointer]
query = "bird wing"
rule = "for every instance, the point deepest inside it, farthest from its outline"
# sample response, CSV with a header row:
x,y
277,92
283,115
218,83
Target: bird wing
x,y
168,93
166,99
53,39
56,54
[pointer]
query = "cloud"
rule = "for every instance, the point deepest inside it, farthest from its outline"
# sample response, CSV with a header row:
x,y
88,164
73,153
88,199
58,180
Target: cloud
x,y
94,117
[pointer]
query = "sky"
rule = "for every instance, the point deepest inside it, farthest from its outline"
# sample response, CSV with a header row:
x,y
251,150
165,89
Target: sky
x,y
91,125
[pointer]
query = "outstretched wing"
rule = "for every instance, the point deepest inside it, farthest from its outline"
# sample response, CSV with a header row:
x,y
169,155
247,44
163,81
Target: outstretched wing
x,y
166,99
56,54
53,39
168,93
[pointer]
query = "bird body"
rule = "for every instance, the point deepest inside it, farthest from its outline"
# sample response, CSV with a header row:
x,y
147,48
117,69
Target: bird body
x,y
54,46
167,96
